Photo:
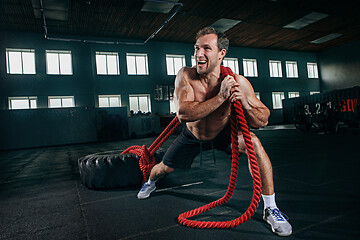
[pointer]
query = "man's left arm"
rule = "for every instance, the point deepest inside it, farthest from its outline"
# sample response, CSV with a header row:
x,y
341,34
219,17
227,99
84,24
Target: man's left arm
x,y
257,114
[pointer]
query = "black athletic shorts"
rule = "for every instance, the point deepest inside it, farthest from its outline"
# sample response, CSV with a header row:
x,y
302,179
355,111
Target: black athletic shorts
x,y
186,146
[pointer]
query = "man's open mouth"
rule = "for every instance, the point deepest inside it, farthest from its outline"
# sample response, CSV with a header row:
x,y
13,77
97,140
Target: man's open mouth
x,y
201,63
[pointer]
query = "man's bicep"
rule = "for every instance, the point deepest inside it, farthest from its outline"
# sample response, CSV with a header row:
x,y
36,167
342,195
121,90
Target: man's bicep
x,y
249,91
245,86
183,91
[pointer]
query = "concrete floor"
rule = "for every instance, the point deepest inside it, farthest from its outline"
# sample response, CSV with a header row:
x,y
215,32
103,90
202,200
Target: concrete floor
x,y
41,196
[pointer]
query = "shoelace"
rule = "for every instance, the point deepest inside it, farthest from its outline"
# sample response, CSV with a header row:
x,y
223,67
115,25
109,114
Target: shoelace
x,y
144,186
278,215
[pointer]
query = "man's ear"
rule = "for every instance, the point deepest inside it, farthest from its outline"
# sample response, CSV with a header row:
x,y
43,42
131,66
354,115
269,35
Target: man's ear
x,y
222,54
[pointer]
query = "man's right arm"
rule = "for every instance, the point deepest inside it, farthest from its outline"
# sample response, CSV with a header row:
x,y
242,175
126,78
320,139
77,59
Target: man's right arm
x,y
187,109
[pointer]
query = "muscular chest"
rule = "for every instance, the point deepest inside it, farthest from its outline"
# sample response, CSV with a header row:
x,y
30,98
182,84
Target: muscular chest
x,y
202,94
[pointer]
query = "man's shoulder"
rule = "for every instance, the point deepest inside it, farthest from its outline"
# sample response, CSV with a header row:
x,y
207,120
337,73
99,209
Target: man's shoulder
x,y
189,70
245,84
240,78
188,73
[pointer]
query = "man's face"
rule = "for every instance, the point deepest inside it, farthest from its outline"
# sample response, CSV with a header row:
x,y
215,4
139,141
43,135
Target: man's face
x,y
207,54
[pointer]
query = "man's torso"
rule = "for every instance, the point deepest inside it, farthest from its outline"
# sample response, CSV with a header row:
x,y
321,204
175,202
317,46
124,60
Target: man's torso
x,y
210,126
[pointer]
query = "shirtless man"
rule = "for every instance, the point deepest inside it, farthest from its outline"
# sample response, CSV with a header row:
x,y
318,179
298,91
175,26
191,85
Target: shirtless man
x,y
202,100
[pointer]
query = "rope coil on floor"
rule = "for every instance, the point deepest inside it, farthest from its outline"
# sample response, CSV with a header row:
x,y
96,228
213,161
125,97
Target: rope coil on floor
x,y
147,159
237,121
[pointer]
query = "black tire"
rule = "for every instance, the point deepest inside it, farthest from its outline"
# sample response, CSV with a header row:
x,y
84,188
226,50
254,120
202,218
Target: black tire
x,y
112,169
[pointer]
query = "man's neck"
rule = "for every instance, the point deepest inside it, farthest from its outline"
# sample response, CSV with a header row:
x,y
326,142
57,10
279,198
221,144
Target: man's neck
x,y
211,77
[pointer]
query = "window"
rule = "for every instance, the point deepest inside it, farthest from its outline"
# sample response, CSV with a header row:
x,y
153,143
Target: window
x,y
140,102
277,98
314,92
107,63
20,61
22,102
58,62
193,63
294,94
172,106
232,63
275,68
61,102
250,68
109,101
312,70
291,69
257,94
174,63
137,64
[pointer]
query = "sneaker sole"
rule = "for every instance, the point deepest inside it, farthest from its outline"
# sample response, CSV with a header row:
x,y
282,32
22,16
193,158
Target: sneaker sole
x,y
277,233
145,196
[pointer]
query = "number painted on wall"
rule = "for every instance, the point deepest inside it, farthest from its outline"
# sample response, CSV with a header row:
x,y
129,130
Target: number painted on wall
x,y
317,106
307,109
329,105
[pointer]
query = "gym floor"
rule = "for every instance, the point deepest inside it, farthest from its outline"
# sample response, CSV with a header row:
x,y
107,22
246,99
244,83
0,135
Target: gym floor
x,y
316,184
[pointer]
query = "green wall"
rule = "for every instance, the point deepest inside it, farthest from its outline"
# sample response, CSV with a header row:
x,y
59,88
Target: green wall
x,y
340,67
85,85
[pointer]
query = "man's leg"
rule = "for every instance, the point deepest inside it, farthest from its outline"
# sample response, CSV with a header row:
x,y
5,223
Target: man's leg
x,y
180,154
157,172
265,167
272,214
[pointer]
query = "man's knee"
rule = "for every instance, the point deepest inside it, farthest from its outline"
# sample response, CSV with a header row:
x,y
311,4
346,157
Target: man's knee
x,y
255,142
166,169
160,170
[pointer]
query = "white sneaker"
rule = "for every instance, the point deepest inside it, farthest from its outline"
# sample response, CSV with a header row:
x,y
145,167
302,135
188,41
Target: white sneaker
x,y
145,191
278,221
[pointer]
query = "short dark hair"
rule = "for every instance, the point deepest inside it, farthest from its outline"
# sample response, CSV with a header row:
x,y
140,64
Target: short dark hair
x,y
223,41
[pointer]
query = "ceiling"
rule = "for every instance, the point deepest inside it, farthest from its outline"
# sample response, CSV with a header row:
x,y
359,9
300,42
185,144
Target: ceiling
x,y
261,21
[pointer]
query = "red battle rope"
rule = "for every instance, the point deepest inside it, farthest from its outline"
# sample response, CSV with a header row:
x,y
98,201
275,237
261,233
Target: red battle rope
x,y
147,161
237,118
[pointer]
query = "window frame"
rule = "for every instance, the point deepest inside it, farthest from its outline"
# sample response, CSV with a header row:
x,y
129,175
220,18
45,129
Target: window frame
x,y
314,92
58,52
172,57
61,98
28,98
193,62
253,64
106,54
282,97
291,93
314,67
136,55
21,51
138,103
278,67
294,68
172,106
235,62
108,100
